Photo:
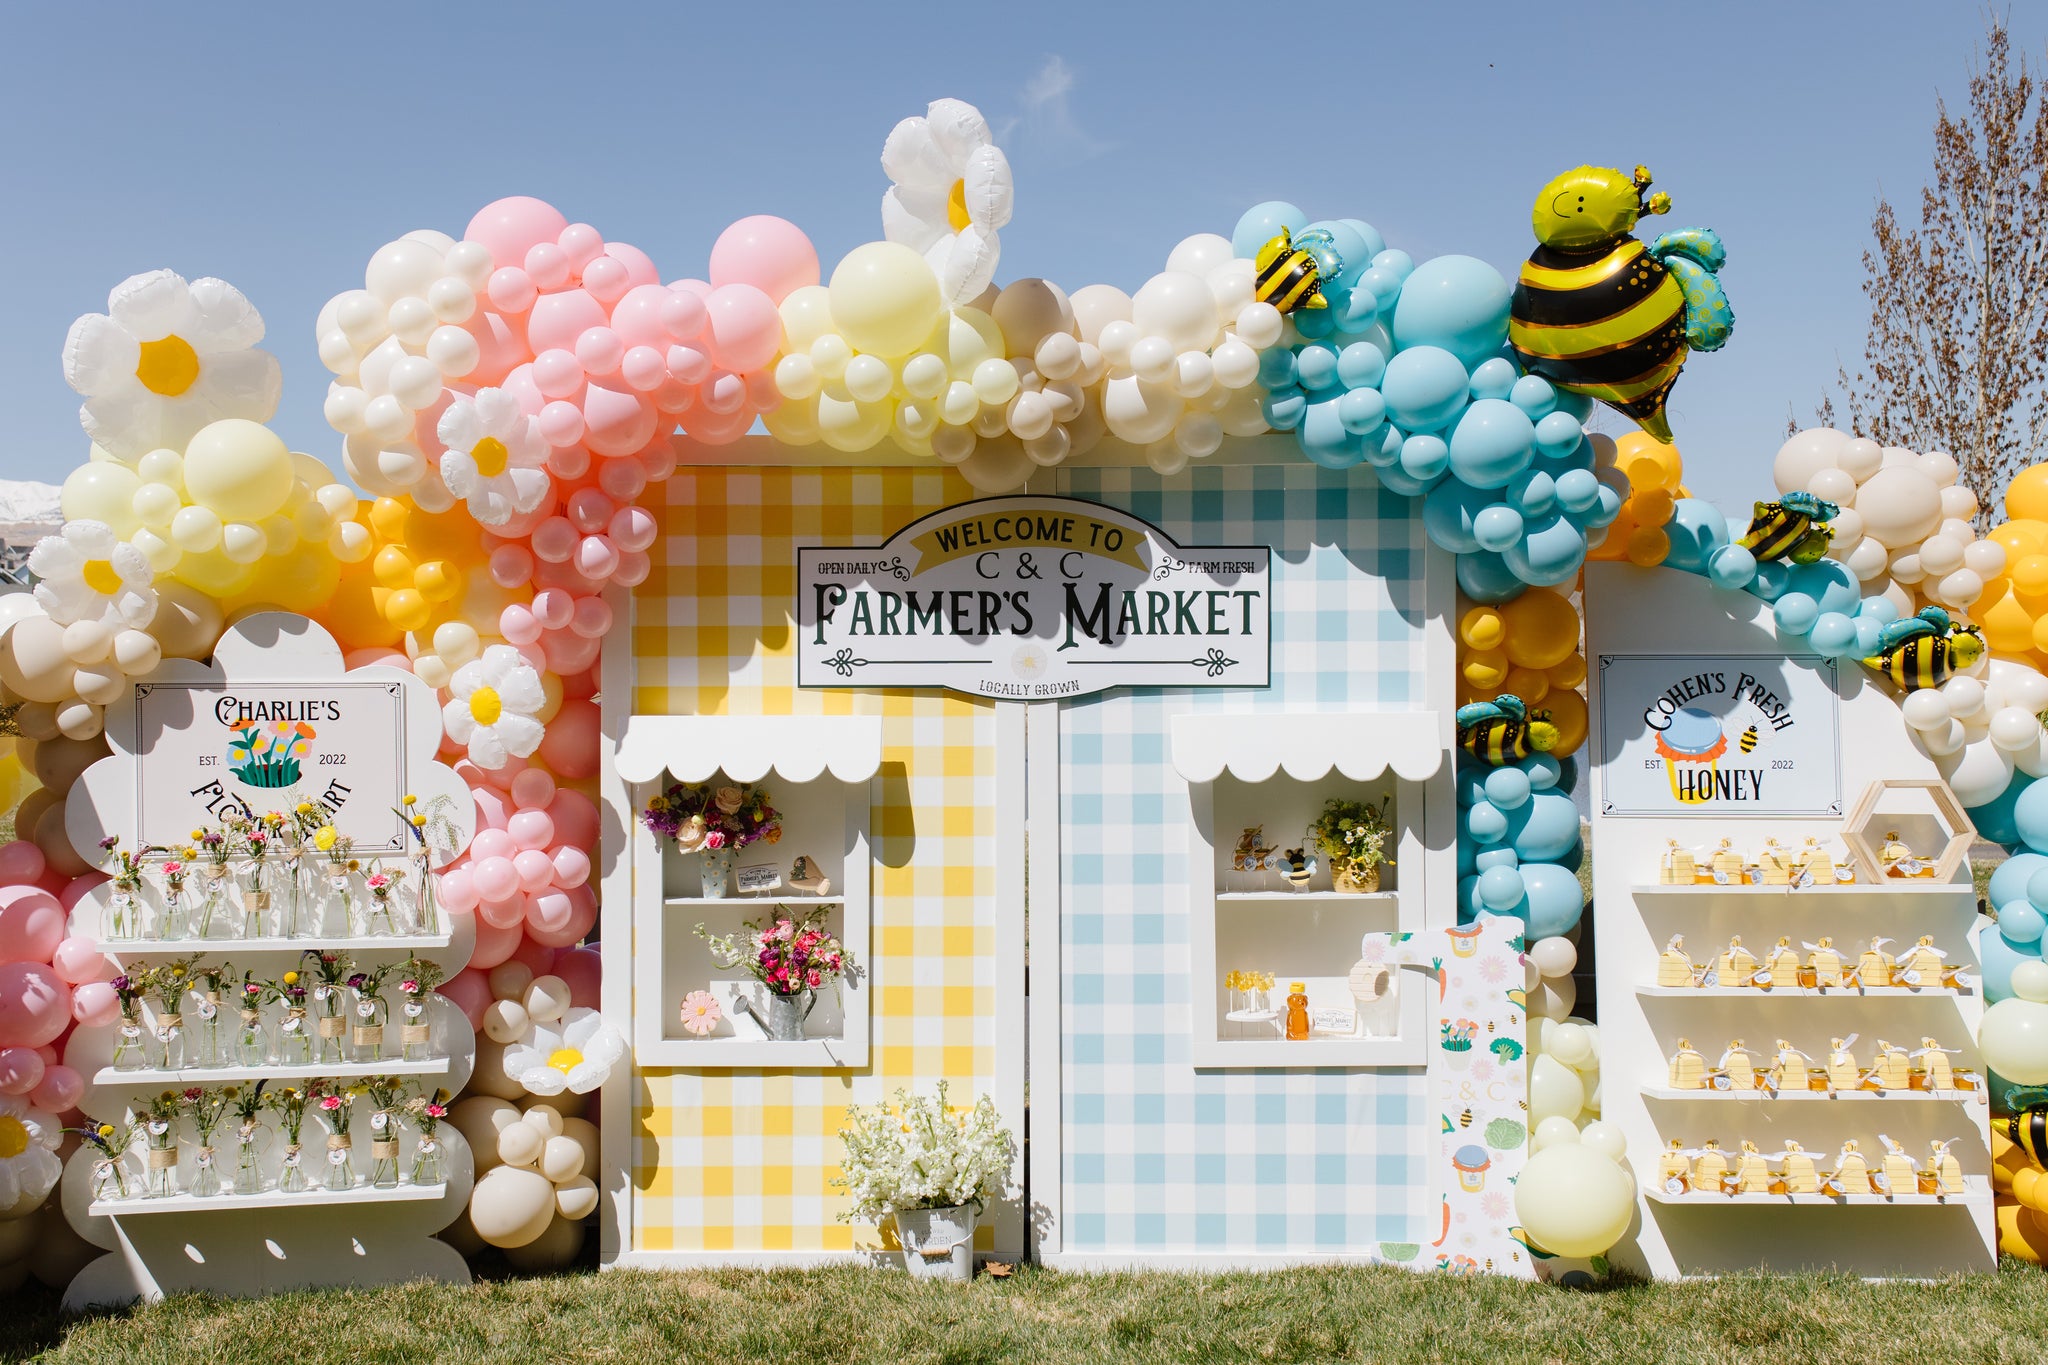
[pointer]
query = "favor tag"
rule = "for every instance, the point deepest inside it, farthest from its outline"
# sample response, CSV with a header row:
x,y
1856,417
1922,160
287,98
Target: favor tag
x,y
1721,876
414,1009
366,1009
206,1158
379,1120
158,1127
207,1009
131,1030
1723,1083
1673,1185
337,1156
428,1147
759,877
322,992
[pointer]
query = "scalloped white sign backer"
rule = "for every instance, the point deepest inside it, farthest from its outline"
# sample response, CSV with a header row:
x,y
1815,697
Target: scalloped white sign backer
x,y
275,719
1359,744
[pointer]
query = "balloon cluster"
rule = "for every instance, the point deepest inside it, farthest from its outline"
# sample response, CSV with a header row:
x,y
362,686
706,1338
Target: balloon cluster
x,y
2020,1187
525,876
536,1181
2018,890
1528,646
1655,475
2013,1036
1518,845
2016,600
1980,731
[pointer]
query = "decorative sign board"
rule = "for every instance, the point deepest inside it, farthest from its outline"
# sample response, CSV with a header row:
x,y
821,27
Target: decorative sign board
x,y
1031,598
1720,735
759,877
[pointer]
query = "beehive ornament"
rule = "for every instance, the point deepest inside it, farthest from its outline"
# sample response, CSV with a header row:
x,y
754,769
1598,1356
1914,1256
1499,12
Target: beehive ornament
x,y
1674,968
1781,966
1817,862
1947,1171
1678,867
1936,1071
1775,864
1843,1073
1901,1175
1923,965
1801,1175
1737,965
1893,1069
1710,1170
1727,865
1688,1067
1789,1070
1851,1174
1738,1067
1826,962
1752,1171
1674,1171
1897,860
1874,968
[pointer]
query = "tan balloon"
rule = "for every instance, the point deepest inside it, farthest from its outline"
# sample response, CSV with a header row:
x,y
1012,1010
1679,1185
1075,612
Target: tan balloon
x,y
60,1252
1805,454
568,1104
1900,505
55,843
521,1144
1029,310
561,1158
79,719
511,1207
480,1118
489,1078
461,1235
187,622
58,762
585,1136
33,664
547,998
554,1248
576,1197
504,1021
543,1119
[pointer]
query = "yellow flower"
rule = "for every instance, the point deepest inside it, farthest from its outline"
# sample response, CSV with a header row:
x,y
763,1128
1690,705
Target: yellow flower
x,y
410,799
197,835
305,807
291,979
106,1130
324,837
419,822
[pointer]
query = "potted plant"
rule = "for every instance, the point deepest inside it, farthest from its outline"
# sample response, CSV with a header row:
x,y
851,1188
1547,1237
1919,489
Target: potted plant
x,y
715,821
930,1166
1352,836
794,959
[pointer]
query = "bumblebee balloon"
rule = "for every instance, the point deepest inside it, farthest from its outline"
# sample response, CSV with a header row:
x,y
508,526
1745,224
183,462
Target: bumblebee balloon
x,y
1290,272
1598,313
1502,730
1795,525
1926,649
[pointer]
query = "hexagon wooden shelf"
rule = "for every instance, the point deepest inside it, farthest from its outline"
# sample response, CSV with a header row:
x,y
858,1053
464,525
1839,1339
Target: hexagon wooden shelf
x,y
1939,811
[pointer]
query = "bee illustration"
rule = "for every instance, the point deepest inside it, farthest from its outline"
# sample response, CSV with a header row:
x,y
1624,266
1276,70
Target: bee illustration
x,y
1289,271
1489,1026
1297,866
1465,1119
1795,526
1503,731
1925,650
1748,741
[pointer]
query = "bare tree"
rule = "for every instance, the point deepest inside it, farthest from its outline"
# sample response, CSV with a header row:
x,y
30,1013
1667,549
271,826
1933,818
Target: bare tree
x,y
1957,354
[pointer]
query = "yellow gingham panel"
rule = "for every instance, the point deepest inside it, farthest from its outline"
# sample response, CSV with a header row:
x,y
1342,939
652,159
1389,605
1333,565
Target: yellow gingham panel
x,y
738,1161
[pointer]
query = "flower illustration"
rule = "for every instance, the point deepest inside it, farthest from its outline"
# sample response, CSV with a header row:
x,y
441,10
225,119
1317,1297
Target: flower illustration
x,y
28,1153
1493,969
493,705
87,573
165,359
950,191
494,457
576,1053
701,1013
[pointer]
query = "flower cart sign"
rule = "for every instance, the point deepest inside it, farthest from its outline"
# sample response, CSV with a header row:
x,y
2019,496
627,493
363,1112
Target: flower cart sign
x,y
1032,598
1715,735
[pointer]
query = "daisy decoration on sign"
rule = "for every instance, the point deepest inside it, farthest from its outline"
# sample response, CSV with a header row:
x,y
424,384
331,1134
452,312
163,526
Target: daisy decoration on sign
x,y
701,1013
492,706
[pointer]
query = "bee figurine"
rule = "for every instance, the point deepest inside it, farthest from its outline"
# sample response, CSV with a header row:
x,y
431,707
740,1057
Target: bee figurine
x,y
1926,649
1793,527
1289,272
1504,731
1297,866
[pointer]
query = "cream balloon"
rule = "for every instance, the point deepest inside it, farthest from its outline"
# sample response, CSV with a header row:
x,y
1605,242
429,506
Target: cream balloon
x,y
504,1021
1574,1201
576,1197
2014,1035
241,470
521,1144
885,299
480,1118
561,1159
1900,506
1805,454
1554,1089
511,1207
1552,1132
555,1248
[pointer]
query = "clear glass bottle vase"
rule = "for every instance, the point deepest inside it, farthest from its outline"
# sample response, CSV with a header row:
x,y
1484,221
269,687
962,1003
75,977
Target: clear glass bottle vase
x,y
170,1040
384,1150
252,1047
254,884
330,1027
208,1049
295,1038
291,1174
366,1033
340,890
206,1182
110,1179
427,1168
162,1161
341,1171
291,914
172,926
248,1159
211,914
124,913
129,1052
415,1034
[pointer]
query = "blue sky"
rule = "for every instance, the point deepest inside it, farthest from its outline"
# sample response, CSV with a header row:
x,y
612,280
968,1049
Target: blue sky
x,y
278,146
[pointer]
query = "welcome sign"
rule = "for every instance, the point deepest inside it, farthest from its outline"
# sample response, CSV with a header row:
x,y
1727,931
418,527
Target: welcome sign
x,y
1718,735
1033,598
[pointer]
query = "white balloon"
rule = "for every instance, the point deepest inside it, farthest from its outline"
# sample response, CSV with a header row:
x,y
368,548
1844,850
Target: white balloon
x,y
1958,502
2019,685
1943,740
1260,325
1940,467
1861,458
1985,558
1237,364
1940,555
1833,484
1906,567
1804,455
1965,696
1138,412
511,1207
1554,956
1978,773
1178,306
1868,560
1152,359
1118,337
1200,254
1554,997
1193,374
1926,709
504,1020
1095,307
1553,1132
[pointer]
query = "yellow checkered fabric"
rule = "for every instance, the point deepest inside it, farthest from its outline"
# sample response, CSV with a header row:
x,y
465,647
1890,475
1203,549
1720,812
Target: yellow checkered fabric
x,y
739,1161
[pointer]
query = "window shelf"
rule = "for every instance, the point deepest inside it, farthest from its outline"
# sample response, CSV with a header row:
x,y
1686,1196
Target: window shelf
x,y
1658,1092
213,1075
270,1199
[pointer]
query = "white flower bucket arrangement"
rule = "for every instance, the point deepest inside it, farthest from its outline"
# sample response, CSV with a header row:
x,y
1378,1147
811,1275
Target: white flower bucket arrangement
x,y
931,1166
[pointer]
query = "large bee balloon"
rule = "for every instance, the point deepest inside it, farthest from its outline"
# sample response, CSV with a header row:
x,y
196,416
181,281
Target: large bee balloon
x,y
1925,650
1502,730
1794,527
1598,313
1289,272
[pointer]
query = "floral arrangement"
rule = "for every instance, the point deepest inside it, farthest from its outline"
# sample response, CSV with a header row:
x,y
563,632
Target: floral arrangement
x,y
127,870
699,816
289,1104
130,989
381,884
247,1106
268,756
426,1111
112,1143
208,1105
1353,834
173,873
417,976
788,956
336,1102
921,1153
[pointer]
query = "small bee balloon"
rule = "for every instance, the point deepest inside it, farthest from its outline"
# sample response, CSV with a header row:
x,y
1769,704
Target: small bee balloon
x,y
1503,730
1289,272
1794,527
1926,649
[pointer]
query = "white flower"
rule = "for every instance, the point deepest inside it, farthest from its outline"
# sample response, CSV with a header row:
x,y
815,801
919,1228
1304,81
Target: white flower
x,y
576,1053
951,191
28,1153
495,456
165,359
492,706
86,573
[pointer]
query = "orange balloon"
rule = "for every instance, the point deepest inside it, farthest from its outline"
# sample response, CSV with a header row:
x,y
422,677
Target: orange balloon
x,y
352,616
1615,545
1570,673
2020,1234
2008,629
2026,497
1653,506
1526,683
1648,462
1543,628
1648,545
1568,713
1482,628
1484,669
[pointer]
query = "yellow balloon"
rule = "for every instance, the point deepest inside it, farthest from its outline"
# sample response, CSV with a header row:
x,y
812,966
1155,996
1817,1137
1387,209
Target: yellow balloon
x,y
2020,538
2025,1184
885,299
2020,1234
2029,573
242,470
1570,673
102,491
1653,506
214,574
1568,713
1648,462
406,609
1482,628
1647,546
2007,627
806,316
794,422
1615,545
2026,497
1484,669
1526,683
1543,628
853,426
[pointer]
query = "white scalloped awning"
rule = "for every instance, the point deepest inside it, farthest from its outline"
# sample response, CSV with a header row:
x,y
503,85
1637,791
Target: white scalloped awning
x,y
745,748
1359,744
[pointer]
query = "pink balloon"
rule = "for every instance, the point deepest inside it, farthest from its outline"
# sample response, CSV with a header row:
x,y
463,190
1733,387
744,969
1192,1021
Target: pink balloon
x,y
572,865
500,347
530,829
60,1092
634,566
532,790
21,1070
20,861
570,747
599,350
746,329
512,226
561,423
772,254
458,891
593,619
607,280
622,480
518,625
580,243
553,607
95,1004
493,943
51,1052
616,420
35,1004
559,319
581,919
637,317
511,566
575,818
639,269
684,315
550,911
589,510
536,873
502,912
491,843
500,779
582,970
32,922
78,959
633,528
511,290
496,878
469,990
549,265
568,462
78,886
644,370
383,658
568,652
558,374
538,958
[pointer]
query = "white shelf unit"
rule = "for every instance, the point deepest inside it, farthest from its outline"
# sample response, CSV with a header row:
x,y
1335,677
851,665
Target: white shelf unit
x,y
1805,993
818,772
392,943
224,1075
1276,771
1712,1096
269,1199
1977,1193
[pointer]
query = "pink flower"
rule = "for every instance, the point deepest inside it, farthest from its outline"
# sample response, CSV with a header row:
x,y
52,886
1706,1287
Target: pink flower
x,y
438,1111
714,839
378,881
331,1103
701,1013
409,987
813,979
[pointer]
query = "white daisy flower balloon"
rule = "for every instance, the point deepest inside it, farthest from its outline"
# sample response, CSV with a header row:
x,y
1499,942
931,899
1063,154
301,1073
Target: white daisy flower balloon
x,y
575,1053
491,708
165,359
86,573
495,456
951,191
29,1167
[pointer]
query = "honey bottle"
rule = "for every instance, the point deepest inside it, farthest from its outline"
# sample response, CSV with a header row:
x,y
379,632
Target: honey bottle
x,y
1297,1011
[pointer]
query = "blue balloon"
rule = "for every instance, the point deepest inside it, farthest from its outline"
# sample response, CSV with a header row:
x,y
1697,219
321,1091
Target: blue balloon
x,y
1361,411
1374,245
1470,782
1469,904
1532,394
1882,610
1994,819
1495,857
1555,899
1572,860
1486,824
1870,635
1558,434
1577,404
1577,491
1731,567
1544,830
1770,581
2021,922
1353,248
1315,366
1283,409
1361,365
1468,862
1276,368
1696,530
1997,955
1395,260
1316,323
2030,816
1383,285
1534,492
1549,554
1495,379
1450,513
1424,388
1324,439
1485,577
1567,774
1834,635
1828,582
1457,302
1500,887
1508,788
1399,480
1425,456
2037,894
1795,613
2009,880
1606,507
1492,443
1357,309
1261,223
1543,771
1497,527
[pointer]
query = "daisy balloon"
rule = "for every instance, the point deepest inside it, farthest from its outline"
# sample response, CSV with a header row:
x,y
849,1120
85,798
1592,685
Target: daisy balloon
x,y
494,458
165,359
575,1053
28,1155
950,191
86,573
491,708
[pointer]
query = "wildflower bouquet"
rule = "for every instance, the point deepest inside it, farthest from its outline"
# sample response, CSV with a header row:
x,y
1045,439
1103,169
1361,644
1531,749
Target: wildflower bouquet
x,y
699,816
126,875
380,885
294,1046
1353,836
246,1104
252,839
110,1178
216,849
169,982
417,978
387,1101
341,867
289,1104
161,1128
426,1112
788,956
337,1108
174,873
330,972
208,1106
921,1153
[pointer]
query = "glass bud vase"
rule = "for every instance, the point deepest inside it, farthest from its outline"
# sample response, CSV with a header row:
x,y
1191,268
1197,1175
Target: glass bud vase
x,y
292,888
255,901
129,1052
110,1179
213,901
426,1161
378,920
426,915
416,1035
171,928
341,1171
340,887
207,1049
205,1175
162,1160
124,913
330,1027
251,1047
170,1040
384,1150
294,1038
248,1167
366,1037
291,1175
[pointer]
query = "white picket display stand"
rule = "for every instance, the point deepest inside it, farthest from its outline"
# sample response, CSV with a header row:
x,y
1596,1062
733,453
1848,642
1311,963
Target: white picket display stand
x,y
261,1243
1633,615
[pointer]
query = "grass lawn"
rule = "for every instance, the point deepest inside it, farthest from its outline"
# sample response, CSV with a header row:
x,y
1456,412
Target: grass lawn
x,y
1047,1318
